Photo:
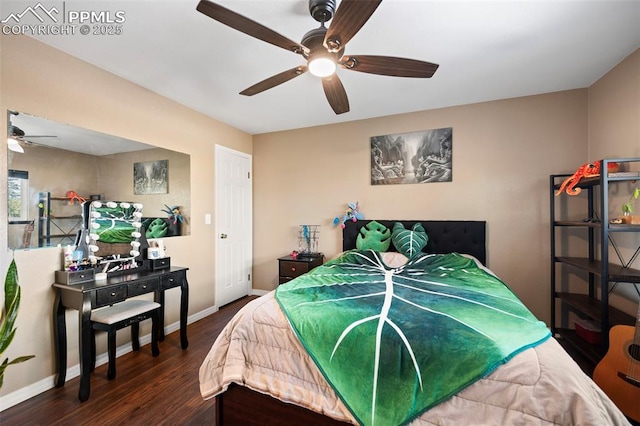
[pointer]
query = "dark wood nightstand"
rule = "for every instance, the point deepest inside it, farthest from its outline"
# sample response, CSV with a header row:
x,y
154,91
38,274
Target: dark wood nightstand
x,y
290,268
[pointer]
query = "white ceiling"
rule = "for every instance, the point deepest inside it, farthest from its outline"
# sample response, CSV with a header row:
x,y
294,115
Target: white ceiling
x,y
487,50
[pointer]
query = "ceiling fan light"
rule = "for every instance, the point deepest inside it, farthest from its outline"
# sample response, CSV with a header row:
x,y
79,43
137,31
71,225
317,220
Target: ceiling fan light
x,y
14,145
322,66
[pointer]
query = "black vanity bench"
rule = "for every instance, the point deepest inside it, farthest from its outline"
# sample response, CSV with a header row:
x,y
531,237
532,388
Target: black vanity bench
x,y
89,295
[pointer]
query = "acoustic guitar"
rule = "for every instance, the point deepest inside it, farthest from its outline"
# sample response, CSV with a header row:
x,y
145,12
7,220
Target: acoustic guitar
x,y
618,373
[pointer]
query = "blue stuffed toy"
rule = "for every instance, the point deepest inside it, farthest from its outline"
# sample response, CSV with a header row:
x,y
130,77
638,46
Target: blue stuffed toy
x,y
351,214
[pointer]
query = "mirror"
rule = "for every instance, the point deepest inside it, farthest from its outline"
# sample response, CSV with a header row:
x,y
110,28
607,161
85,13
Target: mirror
x,y
55,167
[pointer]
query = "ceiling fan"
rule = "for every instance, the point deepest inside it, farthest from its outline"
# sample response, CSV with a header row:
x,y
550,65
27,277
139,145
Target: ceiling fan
x,y
323,48
17,135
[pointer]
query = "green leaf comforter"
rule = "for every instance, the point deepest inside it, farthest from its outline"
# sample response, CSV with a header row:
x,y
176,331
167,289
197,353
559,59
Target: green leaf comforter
x,y
395,342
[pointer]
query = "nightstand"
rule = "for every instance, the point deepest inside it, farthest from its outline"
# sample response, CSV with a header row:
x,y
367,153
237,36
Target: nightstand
x,y
290,268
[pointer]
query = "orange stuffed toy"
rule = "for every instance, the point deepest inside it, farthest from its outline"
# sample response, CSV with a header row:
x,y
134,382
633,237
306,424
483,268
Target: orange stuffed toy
x,y
587,170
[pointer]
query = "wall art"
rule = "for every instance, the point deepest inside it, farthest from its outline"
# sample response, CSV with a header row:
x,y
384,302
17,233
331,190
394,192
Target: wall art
x,y
418,157
151,177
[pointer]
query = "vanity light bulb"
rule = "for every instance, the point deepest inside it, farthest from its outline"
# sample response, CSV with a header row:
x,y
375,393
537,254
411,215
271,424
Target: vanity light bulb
x,y
95,225
136,234
136,224
94,237
125,205
93,259
135,244
93,248
137,214
137,206
95,214
134,253
112,204
96,204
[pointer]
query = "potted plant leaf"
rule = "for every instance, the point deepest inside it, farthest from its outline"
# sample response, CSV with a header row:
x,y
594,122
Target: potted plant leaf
x,y
627,209
8,316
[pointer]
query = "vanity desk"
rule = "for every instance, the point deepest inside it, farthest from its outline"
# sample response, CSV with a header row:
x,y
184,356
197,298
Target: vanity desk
x,y
88,295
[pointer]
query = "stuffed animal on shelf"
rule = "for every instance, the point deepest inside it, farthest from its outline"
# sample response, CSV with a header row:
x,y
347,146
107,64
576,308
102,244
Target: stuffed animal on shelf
x,y
353,214
73,197
587,170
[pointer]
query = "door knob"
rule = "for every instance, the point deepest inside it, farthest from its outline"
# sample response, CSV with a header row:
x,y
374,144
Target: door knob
x,y
223,235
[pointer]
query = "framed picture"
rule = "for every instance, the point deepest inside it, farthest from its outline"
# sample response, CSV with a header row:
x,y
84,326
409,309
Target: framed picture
x,y
151,177
418,157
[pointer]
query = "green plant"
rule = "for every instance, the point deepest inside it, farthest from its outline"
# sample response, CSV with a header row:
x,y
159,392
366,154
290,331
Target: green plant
x,y
627,208
8,317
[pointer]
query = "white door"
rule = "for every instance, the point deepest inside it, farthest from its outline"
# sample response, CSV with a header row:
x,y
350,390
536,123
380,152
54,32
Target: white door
x,y
233,225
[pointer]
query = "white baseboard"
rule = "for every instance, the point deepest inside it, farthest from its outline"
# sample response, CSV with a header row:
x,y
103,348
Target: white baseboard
x,y
257,292
20,395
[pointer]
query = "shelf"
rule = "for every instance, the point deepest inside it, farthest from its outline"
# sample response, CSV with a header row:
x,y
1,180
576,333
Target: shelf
x,y
595,180
601,241
65,199
616,272
578,223
77,217
588,350
64,236
57,229
597,225
591,307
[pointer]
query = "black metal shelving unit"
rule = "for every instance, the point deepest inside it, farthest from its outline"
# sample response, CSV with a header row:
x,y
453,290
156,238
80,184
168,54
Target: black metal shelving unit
x,y
602,271
56,229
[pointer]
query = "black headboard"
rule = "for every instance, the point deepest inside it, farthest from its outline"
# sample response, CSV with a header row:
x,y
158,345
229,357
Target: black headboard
x,y
445,236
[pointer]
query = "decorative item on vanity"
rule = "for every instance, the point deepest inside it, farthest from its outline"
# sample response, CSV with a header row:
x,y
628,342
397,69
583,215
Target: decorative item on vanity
x,y
308,240
173,214
353,214
8,317
156,256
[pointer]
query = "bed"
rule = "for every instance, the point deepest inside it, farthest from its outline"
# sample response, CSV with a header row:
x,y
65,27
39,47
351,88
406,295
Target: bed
x,y
274,364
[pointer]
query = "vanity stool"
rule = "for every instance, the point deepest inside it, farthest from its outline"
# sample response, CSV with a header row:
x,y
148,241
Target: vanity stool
x,y
121,315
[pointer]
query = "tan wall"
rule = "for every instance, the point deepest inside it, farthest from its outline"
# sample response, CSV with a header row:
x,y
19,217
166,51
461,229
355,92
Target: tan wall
x,y
614,111
43,81
614,131
503,153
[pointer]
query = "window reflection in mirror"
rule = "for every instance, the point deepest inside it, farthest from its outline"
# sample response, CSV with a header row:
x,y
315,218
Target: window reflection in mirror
x,y
54,166
18,205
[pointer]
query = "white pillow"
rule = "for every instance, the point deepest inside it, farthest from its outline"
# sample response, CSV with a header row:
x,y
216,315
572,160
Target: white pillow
x,y
394,259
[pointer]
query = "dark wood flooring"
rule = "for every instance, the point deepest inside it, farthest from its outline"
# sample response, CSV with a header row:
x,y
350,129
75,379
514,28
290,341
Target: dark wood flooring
x,y
146,391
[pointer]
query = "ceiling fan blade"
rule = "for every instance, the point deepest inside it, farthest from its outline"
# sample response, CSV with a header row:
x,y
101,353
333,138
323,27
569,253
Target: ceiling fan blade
x,y
388,65
347,21
247,26
336,95
275,80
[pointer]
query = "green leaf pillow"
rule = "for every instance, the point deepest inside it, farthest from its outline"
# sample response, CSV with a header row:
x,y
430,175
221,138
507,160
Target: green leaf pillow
x,y
374,236
409,242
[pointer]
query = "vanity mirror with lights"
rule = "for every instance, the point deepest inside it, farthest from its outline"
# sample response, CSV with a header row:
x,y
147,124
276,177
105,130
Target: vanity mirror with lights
x,y
55,167
111,235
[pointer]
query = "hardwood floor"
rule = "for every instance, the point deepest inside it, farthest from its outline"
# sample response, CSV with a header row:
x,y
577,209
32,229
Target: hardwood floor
x,y
146,391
